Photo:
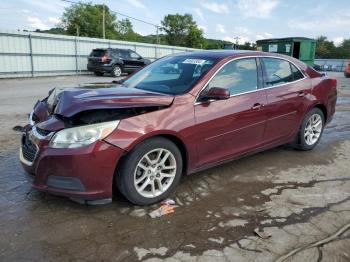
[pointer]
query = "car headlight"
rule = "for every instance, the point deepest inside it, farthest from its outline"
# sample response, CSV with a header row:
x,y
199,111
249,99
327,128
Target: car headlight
x,y
83,135
30,118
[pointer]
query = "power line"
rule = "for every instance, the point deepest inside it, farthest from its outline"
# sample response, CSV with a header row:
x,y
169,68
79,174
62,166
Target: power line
x,y
140,20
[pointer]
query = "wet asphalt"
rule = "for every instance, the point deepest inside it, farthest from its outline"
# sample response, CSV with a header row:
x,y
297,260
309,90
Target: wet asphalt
x,y
218,208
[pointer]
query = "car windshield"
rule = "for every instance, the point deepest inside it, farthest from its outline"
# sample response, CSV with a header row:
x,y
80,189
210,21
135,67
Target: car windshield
x,y
171,75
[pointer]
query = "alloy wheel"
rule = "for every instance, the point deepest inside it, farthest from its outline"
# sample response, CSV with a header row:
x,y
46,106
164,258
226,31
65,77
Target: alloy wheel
x,y
117,71
313,129
155,173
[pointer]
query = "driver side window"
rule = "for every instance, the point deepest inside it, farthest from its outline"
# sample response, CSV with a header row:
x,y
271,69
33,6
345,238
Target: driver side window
x,y
238,76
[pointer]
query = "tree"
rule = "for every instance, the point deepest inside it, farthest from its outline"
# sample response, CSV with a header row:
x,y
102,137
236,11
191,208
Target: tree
x,y
324,48
87,20
215,43
182,30
53,30
344,49
125,30
247,46
195,37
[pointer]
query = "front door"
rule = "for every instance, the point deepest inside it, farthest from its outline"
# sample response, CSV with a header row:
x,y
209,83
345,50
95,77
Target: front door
x,y
135,60
236,125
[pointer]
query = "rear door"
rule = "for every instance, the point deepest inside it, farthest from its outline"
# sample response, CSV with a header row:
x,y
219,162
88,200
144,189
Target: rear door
x,y
230,127
286,90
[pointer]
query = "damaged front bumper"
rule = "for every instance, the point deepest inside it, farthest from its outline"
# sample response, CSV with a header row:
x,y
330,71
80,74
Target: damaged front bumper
x,y
82,174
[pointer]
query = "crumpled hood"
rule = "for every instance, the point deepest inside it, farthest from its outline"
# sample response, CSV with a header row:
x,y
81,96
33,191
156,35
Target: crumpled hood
x,y
70,101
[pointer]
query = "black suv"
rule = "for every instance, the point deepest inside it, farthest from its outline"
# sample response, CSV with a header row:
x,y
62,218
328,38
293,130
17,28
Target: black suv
x,y
115,61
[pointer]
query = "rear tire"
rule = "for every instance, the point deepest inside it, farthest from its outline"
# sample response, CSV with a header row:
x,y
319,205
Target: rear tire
x,y
117,71
150,172
98,73
311,130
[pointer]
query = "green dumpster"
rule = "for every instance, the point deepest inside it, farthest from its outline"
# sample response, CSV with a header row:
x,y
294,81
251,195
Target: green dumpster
x,y
299,47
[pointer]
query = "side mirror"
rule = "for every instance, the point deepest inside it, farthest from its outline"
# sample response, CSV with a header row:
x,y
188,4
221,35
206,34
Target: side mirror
x,y
139,58
216,93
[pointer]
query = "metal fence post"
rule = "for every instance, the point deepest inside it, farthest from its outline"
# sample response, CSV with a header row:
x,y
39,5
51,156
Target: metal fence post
x,y
31,55
76,55
155,52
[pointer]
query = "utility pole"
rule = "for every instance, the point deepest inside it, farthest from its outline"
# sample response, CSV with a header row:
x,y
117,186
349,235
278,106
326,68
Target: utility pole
x,y
77,60
103,22
158,42
236,38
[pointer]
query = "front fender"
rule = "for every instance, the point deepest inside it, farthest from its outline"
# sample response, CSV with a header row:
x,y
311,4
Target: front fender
x,y
176,120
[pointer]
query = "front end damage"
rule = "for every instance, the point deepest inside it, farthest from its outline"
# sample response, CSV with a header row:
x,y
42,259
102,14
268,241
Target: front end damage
x,y
84,172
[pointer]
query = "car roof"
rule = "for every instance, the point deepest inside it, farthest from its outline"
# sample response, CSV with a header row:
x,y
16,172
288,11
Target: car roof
x,y
221,54
110,48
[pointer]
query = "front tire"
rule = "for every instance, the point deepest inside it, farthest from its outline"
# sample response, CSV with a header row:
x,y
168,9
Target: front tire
x,y
150,172
117,71
311,130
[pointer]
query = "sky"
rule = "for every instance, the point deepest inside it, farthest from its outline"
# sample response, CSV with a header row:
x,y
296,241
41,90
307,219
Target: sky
x,y
250,20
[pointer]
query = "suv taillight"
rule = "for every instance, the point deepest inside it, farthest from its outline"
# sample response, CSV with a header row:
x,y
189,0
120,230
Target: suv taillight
x,y
104,58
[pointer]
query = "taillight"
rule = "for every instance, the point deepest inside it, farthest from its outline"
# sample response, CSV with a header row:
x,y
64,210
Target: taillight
x,y
104,58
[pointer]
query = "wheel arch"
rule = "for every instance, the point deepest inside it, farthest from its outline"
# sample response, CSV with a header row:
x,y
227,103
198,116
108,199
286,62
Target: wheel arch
x,y
170,136
118,64
181,146
323,108
318,105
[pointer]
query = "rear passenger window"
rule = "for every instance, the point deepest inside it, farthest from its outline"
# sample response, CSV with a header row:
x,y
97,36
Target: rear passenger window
x,y
278,71
238,76
296,73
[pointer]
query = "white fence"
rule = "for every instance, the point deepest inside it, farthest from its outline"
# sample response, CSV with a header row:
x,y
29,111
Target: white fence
x,y
24,54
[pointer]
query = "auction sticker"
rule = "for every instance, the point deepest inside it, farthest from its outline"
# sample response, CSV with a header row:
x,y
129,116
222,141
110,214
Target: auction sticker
x,y
194,61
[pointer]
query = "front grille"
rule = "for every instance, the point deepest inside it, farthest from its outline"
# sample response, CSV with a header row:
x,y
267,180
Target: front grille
x,y
29,149
42,132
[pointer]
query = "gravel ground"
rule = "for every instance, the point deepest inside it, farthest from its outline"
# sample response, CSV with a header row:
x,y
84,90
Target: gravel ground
x,y
302,199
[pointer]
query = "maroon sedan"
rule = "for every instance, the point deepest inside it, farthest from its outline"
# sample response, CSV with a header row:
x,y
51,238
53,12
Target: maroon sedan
x,y
180,114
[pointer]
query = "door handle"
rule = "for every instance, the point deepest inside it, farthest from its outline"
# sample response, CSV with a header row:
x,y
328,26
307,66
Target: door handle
x,y
256,106
301,94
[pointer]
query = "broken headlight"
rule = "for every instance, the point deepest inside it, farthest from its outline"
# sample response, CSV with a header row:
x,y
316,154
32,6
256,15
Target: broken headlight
x,y
83,135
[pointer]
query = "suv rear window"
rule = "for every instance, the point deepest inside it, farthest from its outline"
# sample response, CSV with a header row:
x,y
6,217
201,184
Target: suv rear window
x,y
98,53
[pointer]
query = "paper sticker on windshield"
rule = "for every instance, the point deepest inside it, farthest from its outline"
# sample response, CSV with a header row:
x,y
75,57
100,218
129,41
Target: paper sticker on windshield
x,y
194,61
